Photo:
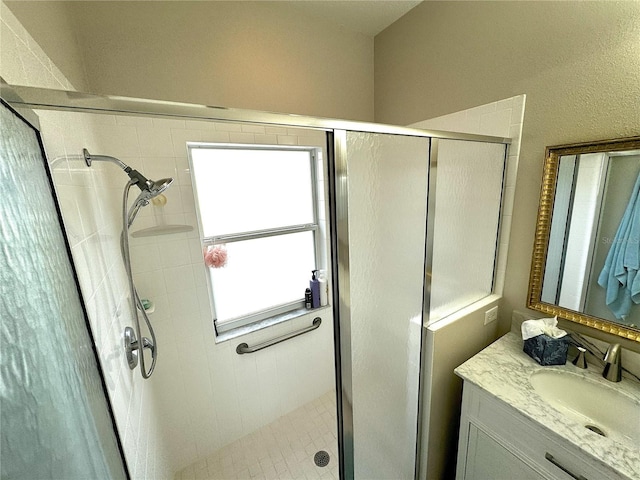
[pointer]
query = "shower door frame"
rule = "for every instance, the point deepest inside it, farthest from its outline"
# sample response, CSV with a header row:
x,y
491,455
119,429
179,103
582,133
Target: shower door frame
x,y
20,97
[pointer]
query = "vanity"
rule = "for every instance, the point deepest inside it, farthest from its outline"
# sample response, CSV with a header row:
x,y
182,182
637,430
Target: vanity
x,y
523,421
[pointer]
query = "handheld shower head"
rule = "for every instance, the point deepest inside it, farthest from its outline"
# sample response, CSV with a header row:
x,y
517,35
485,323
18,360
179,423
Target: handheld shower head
x,y
152,189
160,186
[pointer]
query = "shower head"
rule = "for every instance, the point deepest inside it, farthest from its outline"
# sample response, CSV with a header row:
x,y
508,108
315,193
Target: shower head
x,y
149,188
152,189
160,186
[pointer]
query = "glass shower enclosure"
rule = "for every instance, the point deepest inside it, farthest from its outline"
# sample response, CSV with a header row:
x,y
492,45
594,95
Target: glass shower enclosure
x,y
381,183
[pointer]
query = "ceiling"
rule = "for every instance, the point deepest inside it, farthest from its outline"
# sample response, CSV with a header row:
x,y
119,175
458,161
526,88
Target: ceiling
x,y
364,16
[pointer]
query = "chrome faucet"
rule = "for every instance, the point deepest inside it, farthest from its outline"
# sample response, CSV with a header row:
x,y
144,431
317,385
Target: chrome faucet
x,y
613,363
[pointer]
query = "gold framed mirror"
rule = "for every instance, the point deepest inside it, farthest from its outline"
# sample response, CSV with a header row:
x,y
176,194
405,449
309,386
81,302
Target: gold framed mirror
x,y
586,252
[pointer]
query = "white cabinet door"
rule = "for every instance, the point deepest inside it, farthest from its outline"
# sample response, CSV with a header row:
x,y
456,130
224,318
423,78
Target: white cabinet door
x,y
488,460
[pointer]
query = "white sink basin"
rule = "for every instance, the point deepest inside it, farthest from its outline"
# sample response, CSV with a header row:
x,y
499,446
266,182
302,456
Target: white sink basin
x,y
597,406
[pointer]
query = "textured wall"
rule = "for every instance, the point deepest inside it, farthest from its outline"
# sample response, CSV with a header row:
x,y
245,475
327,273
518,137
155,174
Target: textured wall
x,y
581,84
22,61
54,24
254,55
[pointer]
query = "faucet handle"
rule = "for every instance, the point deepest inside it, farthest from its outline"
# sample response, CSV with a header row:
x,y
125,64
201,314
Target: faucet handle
x,y
580,361
613,354
613,363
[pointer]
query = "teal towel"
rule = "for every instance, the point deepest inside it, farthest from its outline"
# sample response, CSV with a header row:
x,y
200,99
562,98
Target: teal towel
x,y
620,273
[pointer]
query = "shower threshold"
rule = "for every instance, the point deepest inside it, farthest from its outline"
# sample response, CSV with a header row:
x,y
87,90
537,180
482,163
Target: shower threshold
x,y
283,449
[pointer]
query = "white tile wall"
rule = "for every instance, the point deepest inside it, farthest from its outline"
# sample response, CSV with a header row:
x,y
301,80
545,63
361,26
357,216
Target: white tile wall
x,y
90,203
204,395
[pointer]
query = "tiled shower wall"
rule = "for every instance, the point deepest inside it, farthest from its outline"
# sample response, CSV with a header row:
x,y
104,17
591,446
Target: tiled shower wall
x,y
90,202
202,395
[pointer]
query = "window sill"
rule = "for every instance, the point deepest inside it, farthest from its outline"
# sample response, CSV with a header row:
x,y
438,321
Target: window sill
x,y
268,322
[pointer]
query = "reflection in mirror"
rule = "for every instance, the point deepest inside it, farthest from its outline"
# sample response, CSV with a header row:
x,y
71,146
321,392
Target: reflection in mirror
x,y
587,251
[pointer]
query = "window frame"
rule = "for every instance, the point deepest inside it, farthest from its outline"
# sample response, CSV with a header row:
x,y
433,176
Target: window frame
x,y
279,312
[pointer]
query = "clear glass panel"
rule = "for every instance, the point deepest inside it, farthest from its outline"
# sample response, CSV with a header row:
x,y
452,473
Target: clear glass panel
x,y
280,269
387,180
468,195
55,419
226,178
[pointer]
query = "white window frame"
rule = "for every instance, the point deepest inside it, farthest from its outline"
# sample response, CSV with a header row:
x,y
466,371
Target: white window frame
x,y
280,312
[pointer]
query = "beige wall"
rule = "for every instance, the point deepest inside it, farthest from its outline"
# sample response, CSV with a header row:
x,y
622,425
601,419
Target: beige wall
x,y
53,23
445,388
254,55
577,62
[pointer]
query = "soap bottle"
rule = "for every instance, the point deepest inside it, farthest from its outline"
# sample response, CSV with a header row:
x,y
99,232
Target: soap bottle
x,y
307,298
324,294
314,285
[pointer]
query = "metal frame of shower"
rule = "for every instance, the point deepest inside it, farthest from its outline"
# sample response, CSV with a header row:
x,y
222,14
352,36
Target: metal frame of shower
x,y
22,98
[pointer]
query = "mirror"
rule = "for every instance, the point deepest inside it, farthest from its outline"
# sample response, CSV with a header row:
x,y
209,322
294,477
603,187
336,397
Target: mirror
x,y
586,253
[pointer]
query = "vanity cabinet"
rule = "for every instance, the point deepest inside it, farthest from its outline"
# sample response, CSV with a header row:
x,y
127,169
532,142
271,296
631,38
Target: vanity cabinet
x,y
497,442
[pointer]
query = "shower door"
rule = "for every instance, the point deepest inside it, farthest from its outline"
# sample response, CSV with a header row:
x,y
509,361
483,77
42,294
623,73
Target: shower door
x,y
381,187
56,421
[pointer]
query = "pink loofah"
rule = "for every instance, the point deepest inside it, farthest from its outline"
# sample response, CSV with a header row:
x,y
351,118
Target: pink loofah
x,y
215,257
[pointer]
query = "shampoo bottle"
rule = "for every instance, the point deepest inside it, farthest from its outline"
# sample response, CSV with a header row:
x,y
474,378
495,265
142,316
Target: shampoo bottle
x,y
324,294
314,285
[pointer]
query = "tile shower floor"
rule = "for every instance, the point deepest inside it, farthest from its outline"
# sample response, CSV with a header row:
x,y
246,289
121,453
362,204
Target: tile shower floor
x,y
283,449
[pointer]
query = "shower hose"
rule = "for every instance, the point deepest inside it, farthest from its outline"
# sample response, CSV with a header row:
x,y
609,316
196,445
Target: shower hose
x,y
128,216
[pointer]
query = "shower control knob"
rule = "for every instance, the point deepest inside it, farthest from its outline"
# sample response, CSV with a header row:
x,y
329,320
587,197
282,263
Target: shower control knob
x,y
131,347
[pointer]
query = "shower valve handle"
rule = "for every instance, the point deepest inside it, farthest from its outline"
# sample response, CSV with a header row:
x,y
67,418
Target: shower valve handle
x,y
132,347
147,343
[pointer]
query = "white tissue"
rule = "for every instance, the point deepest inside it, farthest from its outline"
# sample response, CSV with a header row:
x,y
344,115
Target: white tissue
x,y
548,326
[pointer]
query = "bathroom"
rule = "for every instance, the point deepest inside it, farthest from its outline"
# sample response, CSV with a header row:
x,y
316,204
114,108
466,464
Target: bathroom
x,y
94,58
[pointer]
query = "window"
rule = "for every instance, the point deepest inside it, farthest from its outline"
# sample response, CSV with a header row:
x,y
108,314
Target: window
x,y
257,205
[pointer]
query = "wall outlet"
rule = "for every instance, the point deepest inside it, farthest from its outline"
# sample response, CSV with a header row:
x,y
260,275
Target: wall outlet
x,y
491,315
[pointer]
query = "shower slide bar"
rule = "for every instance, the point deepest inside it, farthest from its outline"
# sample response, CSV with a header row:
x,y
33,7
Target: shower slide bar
x,y
244,348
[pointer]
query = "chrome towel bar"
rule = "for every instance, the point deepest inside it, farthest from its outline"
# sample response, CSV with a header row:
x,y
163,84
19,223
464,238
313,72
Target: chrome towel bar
x,y
244,348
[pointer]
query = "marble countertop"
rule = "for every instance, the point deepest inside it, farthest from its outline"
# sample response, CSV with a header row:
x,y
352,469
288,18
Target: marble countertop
x,y
503,370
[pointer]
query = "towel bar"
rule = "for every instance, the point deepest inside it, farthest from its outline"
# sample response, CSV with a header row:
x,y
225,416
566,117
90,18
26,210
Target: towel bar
x,y
244,348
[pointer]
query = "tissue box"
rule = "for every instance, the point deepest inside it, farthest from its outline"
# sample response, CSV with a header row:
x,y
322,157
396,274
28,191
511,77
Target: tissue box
x,y
546,350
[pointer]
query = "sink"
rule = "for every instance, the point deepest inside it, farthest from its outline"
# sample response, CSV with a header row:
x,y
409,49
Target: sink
x,y
597,406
